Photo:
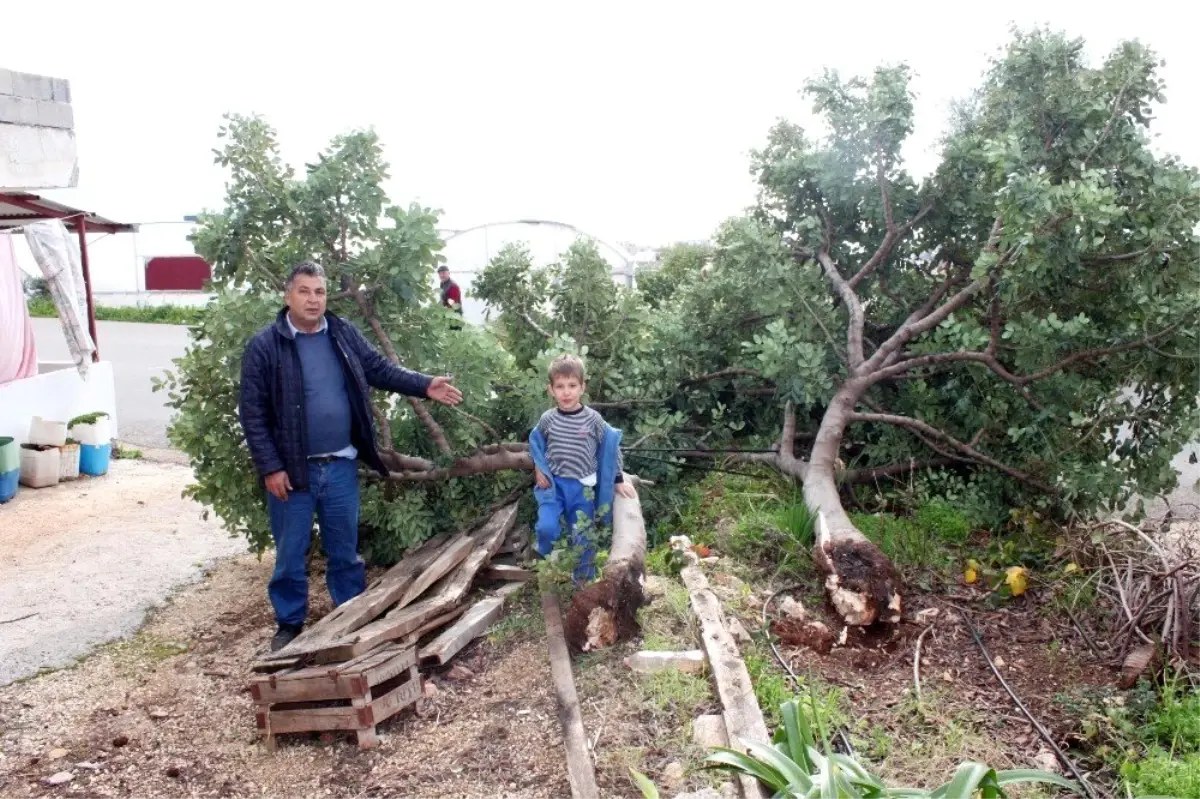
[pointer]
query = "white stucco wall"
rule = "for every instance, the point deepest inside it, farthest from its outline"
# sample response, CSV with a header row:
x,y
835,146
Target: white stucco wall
x,y
58,393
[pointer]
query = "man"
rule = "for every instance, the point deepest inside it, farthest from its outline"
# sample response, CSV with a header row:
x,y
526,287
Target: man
x,y
307,418
451,294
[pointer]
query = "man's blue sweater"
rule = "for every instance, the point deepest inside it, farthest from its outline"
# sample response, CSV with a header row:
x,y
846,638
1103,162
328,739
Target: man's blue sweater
x,y
326,401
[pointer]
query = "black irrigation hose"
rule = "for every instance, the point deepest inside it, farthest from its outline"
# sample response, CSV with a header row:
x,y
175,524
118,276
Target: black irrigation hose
x,y
1037,725
703,451
696,466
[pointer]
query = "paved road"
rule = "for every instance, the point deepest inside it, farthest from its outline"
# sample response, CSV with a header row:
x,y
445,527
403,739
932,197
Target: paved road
x,y
138,352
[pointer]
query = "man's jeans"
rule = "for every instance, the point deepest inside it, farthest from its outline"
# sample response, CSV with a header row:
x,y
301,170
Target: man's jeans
x,y
333,494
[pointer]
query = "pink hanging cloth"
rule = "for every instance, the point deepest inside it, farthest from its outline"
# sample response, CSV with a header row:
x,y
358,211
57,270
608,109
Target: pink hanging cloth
x,y
18,356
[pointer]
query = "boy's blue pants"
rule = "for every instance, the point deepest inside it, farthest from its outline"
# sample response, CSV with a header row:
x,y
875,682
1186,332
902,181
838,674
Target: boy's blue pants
x,y
567,499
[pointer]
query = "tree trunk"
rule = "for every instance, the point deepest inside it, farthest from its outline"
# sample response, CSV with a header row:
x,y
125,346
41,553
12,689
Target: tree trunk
x,y
606,611
860,581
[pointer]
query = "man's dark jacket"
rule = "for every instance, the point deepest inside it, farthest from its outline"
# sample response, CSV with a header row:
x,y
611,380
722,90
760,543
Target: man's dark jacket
x,y
272,401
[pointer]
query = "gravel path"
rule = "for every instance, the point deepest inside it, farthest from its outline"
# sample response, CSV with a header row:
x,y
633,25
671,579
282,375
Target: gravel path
x,y
91,557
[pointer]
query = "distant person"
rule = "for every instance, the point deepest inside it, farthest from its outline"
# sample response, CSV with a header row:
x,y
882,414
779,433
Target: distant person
x,y
307,418
451,293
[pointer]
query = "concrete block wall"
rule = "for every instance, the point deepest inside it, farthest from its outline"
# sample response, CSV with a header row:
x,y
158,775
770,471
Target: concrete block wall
x,y
37,132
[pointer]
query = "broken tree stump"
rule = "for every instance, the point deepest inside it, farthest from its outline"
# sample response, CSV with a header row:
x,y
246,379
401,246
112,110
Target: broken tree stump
x,y
743,717
580,773
606,611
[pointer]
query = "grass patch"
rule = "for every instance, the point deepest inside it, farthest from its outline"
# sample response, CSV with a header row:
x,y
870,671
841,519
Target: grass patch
x,y
154,314
761,522
667,622
921,743
773,687
914,550
1149,735
522,618
675,693
144,649
123,453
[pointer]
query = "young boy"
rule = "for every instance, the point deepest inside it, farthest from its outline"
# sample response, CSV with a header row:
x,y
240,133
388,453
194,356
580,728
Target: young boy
x,y
573,448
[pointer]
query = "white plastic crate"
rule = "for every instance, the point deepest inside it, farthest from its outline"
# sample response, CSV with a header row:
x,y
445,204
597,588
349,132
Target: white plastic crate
x,y
68,462
39,467
47,433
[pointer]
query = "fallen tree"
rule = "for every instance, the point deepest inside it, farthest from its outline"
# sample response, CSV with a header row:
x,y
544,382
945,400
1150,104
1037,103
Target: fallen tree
x,y
1012,330
978,310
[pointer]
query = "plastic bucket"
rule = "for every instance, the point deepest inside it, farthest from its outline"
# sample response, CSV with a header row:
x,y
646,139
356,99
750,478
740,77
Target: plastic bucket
x,y
10,468
94,459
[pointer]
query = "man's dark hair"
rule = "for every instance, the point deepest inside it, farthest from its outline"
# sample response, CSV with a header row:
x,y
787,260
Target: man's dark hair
x,y
307,268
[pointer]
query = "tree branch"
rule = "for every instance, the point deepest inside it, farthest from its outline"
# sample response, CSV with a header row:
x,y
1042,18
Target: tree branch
x,y
485,461
1100,352
967,449
914,327
891,237
788,462
784,459
870,475
541,331
435,429
729,371
854,330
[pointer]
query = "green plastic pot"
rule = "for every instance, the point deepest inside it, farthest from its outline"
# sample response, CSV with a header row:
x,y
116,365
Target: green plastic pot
x,y
10,455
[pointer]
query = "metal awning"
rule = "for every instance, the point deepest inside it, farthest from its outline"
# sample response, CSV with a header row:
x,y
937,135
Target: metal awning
x,y
18,208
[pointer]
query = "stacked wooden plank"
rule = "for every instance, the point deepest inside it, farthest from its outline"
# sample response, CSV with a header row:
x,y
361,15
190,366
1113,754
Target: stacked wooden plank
x,y
422,611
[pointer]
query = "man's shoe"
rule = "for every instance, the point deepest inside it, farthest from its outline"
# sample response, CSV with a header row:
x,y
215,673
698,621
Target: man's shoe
x,y
283,637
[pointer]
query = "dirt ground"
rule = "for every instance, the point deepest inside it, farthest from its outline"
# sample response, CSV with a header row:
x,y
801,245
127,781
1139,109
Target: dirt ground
x,y
963,712
167,714
82,562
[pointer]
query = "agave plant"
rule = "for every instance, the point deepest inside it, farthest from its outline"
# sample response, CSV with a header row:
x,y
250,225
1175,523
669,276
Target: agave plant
x,y
794,766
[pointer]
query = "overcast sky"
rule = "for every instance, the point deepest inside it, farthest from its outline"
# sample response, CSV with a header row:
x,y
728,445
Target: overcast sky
x,y
630,120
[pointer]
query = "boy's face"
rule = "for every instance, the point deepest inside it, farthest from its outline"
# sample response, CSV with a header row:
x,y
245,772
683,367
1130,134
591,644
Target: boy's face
x,y
566,391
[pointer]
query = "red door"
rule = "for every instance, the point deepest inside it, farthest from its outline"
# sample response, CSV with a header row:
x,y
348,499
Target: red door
x,y
177,273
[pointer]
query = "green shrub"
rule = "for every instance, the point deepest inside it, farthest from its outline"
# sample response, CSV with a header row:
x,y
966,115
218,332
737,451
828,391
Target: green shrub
x,y
940,519
40,306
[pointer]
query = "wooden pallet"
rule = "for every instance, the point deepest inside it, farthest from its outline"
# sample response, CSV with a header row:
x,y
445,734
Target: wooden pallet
x,y
351,697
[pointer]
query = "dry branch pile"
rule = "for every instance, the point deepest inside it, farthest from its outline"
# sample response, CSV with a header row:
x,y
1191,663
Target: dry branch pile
x,y
1153,581
367,652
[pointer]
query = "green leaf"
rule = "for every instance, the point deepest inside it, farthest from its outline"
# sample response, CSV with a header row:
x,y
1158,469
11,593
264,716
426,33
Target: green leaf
x,y
1011,776
644,784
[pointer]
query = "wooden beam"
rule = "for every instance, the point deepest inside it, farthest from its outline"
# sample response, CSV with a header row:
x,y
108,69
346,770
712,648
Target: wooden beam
x,y
580,773
743,717
442,597
454,554
470,626
503,571
349,616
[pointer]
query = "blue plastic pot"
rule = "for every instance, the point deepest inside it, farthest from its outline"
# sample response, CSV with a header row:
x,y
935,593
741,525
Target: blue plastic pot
x,y
94,459
10,468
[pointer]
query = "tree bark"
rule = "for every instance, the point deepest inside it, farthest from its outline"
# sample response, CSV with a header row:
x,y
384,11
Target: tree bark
x,y
606,611
860,581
